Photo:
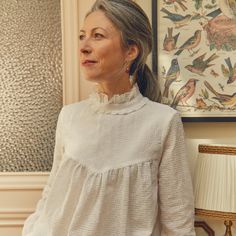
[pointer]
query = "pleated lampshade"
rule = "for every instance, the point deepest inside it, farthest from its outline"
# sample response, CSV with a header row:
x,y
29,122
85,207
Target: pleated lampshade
x,y
215,181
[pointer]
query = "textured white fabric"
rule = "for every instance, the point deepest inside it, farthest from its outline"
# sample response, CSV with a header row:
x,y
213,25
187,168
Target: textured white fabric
x,y
119,170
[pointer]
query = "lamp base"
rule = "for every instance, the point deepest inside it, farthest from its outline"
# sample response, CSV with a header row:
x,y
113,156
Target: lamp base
x,y
228,224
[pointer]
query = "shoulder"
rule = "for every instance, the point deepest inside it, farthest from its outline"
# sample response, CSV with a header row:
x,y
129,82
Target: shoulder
x,y
74,106
162,118
69,110
168,121
162,112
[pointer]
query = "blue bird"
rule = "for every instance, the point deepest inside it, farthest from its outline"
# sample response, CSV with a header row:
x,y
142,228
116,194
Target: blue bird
x,y
171,76
177,19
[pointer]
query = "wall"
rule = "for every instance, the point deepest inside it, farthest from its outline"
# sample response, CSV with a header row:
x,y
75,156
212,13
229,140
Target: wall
x,y
31,83
30,100
19,193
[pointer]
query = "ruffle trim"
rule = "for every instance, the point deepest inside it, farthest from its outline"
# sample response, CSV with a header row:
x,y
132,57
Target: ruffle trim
x,y
118,104
102,98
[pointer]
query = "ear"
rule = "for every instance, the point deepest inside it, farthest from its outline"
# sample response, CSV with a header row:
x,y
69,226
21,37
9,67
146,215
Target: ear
x,y
132,52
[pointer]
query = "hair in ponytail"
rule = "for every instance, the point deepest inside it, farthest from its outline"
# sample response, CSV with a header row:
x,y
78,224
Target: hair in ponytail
x,y
135,28
148,84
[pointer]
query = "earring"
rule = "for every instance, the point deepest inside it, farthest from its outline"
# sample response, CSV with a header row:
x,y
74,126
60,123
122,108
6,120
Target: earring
x,y
131,80
126,64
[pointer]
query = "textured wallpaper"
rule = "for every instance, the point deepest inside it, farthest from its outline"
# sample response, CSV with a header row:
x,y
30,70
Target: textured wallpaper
x,y
30,83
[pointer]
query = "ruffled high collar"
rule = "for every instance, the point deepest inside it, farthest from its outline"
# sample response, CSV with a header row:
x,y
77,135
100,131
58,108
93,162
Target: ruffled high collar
x,y
118,103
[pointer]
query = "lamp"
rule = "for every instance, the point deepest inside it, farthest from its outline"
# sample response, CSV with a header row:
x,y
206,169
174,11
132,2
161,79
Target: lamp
x,y
215,183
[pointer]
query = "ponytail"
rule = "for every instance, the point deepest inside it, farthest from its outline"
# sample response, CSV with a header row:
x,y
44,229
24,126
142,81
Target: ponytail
x,y
148,84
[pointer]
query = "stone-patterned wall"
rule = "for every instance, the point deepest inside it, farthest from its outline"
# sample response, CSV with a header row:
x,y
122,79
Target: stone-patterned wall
x,y
30,83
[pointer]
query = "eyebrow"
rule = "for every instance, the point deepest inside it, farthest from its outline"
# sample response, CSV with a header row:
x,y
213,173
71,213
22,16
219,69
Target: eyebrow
x,y
94,29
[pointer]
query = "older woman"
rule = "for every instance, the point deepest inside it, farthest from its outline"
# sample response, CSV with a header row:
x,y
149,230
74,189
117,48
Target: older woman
x,y
119,165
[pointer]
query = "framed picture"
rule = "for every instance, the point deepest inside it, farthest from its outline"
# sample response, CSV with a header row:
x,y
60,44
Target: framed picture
x,y
195,57
204,228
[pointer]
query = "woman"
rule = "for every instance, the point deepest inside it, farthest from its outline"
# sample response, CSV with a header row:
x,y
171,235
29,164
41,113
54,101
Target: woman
x,y
119,165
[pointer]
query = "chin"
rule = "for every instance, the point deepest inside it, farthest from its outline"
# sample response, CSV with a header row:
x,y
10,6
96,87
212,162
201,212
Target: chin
x,y
91,78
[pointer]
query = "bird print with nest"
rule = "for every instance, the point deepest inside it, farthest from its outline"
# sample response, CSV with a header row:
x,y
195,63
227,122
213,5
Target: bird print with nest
x,y
197,56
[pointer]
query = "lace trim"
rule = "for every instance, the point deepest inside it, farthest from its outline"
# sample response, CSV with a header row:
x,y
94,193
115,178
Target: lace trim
x,y
118,104
101,98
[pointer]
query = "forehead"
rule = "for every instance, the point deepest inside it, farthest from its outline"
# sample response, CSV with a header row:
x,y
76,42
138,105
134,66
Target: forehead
x,y
98,19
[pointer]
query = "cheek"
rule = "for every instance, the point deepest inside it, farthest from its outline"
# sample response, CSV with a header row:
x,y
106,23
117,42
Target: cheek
x,y
111,56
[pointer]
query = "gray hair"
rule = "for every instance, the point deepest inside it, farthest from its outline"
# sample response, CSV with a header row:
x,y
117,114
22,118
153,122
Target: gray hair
x,y
136,29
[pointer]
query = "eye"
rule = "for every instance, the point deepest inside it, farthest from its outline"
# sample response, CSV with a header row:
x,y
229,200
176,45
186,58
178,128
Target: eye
x,y
81,37
98,36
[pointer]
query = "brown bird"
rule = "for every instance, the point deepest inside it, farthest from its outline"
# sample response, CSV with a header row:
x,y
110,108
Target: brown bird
x,y
200,103
169,43
224,99
185,93
229,73
199,65
191,43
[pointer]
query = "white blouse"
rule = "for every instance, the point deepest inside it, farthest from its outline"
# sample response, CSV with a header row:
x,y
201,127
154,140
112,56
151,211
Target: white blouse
x,y
119,170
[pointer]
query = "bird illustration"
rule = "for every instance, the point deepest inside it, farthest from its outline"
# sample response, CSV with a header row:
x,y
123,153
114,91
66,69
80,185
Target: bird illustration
x,y
185,93
210,6
191,43
163,71
169,43
200,103
198,4
224,99
179,2
221,86
229,73
199,65
215,74
171,76
214,13
177,19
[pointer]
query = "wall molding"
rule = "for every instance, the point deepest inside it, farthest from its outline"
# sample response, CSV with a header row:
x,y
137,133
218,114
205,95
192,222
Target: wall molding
x,y
69,23
19,193
16,213
25,181
14,217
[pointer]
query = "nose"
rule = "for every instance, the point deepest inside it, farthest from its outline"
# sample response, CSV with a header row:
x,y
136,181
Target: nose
x,y
85,48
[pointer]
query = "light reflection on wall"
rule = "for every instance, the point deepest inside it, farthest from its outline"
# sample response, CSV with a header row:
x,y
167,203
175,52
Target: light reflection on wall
x,y
30,83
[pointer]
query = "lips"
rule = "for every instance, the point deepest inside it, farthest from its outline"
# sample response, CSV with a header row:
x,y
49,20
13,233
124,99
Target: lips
x,y
88,62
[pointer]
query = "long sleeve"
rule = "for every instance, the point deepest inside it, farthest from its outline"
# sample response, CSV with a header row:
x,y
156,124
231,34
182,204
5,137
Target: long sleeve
x,y
58,150
175,186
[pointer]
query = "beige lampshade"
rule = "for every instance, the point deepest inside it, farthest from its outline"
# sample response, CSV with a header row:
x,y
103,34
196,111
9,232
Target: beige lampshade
x,y
215,181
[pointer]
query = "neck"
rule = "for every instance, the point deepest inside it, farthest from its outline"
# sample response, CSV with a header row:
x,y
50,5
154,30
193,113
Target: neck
x,y
110,89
